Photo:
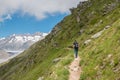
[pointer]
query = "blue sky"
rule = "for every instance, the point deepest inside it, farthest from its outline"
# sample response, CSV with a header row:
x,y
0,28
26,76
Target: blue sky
x,y
30,16
28,24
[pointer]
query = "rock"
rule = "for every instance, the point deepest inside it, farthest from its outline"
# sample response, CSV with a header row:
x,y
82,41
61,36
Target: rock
x,y
103,67
56,60
97,35
41,78
96,67
81,31
118,1
109,7
101,21
96,25
109,56
78,19
87,41
84,3
117,69
106,27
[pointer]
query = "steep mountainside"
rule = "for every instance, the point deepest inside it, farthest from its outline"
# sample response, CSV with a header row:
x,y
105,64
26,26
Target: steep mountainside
x,y
95,24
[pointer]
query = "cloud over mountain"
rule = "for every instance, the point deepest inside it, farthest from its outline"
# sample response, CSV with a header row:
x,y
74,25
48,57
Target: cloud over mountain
x,y
36,8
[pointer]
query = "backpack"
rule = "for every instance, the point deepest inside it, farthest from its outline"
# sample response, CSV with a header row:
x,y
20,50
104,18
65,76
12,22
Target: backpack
x,y
76,45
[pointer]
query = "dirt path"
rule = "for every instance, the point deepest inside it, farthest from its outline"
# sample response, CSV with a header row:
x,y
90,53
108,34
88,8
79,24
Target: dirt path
x,y
75,70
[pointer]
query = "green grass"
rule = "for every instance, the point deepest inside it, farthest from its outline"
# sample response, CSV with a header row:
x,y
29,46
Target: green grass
x,y
37,61
96,63
59,70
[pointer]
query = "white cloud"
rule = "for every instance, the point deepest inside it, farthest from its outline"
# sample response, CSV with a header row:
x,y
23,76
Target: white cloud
x,y
6,17
36,8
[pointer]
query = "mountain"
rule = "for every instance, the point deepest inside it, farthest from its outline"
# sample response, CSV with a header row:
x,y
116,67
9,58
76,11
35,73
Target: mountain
x,y
95,24
20,42
3,55
13,45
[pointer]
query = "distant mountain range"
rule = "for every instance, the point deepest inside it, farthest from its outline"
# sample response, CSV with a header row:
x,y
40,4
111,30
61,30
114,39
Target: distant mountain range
x,y
20,42
14,44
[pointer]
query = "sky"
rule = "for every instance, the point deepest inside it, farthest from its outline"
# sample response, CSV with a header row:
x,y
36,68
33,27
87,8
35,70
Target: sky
x,y
30,16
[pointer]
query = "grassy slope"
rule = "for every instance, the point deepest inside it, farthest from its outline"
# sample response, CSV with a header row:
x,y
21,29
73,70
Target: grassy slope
x,y
100,59
37,60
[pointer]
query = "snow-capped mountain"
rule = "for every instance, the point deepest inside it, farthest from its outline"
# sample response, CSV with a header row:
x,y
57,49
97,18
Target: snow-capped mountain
x,y
20,42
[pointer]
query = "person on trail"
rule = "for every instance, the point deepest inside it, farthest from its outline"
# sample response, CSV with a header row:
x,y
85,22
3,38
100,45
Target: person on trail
x,y
75,45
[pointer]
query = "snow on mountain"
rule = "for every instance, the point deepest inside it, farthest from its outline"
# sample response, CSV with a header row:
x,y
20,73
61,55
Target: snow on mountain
x,y
2,38
20,42
13,45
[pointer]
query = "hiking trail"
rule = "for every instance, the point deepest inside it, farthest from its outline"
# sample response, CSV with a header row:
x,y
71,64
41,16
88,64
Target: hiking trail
x,y
75,69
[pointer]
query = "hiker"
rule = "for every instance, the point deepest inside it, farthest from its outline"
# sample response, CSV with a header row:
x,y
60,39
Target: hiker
x,y
75,45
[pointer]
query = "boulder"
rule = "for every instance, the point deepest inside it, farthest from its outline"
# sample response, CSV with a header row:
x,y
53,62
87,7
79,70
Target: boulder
x,y
97,34
81,31
87,41
109,56
109,7
106,27
56,60
78,19
101,21
40,78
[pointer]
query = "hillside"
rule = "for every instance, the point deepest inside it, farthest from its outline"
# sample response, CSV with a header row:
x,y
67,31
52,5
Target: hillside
x,y
95,25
